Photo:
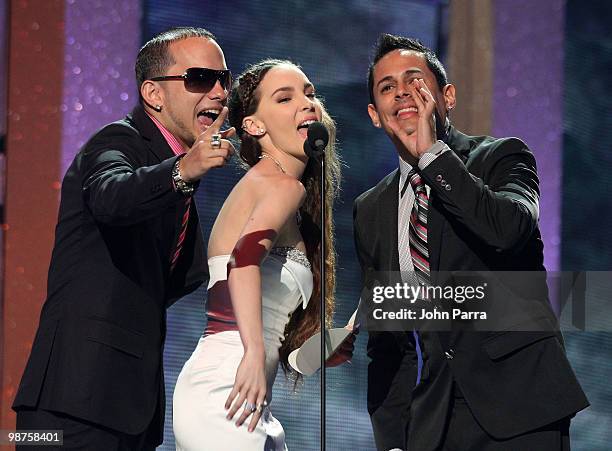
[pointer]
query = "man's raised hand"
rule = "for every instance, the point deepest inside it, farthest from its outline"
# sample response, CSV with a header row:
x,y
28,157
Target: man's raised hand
x,y
203,155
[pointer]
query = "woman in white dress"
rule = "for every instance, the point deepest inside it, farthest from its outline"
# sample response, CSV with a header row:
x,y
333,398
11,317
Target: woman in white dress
x,y
264,253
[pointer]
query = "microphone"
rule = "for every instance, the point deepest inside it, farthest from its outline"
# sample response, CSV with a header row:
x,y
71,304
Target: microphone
x,y
316,140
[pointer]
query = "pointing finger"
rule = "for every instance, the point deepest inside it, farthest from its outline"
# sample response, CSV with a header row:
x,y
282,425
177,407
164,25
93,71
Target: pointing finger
x,y
216,126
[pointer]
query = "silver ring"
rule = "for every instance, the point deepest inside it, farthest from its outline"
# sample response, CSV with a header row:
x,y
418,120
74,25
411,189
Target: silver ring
x,y
215,141
250,407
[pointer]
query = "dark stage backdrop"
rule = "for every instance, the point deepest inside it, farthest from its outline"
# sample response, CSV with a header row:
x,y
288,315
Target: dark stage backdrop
x,y
332,42
587,206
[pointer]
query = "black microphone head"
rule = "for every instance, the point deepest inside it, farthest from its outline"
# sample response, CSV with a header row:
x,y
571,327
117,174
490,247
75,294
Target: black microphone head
x,y
316,140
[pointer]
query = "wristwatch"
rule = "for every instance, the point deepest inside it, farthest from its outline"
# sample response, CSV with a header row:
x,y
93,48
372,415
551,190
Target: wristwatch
x,y
185,188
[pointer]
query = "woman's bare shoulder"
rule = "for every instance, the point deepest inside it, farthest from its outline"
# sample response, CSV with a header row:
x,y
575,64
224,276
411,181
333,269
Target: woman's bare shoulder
x,y
266,186
281,188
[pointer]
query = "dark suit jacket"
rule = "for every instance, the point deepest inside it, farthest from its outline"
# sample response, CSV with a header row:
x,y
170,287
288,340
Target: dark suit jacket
x,y
483,216
97,354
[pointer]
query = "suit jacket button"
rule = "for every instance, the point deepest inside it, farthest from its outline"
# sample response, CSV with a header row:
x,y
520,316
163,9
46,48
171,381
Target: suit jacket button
x,y
447,187
450,354
443,183
439,177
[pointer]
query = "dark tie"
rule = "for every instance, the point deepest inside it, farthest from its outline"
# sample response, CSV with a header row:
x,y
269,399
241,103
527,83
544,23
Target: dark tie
x,y
417,234
182,234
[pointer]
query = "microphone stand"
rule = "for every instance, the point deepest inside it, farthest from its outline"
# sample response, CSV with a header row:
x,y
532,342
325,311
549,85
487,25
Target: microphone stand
x,y
323,303
314,147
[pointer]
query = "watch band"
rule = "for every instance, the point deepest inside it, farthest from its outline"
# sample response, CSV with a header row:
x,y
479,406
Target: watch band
x,y
185,188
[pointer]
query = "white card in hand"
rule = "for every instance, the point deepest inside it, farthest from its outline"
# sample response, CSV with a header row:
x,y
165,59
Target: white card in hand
x,y
307,358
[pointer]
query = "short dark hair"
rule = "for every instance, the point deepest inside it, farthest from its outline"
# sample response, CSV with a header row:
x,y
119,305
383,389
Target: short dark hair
x,y
388,43
154,58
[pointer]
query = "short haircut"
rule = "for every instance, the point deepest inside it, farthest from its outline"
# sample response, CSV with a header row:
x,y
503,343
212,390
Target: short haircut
x,y
388,43
154,58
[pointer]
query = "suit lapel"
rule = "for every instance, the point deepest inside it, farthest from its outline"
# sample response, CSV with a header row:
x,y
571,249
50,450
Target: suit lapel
x,y
460,144
149,131
387,212
161,150
435,226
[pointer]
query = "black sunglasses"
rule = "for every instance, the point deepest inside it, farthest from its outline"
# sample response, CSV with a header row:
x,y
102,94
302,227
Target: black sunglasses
x,y
201,79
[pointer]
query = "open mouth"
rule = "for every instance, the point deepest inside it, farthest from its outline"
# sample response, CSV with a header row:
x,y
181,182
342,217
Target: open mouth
x,y
305,124
303,127
405,112
207,117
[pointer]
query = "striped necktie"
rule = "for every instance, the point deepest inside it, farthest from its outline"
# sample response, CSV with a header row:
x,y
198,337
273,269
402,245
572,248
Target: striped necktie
x,y
417,234
417,239
182,234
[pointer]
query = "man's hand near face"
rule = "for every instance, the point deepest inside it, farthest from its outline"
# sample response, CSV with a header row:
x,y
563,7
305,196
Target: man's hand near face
x,y
203,155
424,136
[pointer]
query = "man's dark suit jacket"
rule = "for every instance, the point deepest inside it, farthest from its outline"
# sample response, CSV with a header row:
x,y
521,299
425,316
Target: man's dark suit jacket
x,y
483,216
98,350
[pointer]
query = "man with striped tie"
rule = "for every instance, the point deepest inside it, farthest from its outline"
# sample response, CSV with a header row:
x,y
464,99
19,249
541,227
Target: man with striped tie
x,y
458,203
128,244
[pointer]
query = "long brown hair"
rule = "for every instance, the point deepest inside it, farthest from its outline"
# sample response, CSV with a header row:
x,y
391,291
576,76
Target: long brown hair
x,y
243,102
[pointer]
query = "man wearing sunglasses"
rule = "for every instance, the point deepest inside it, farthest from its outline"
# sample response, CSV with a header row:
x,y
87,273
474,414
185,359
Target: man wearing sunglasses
x,y
128,244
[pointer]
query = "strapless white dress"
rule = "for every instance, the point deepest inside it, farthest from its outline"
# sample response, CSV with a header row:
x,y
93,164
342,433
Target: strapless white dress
x,y
199,415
